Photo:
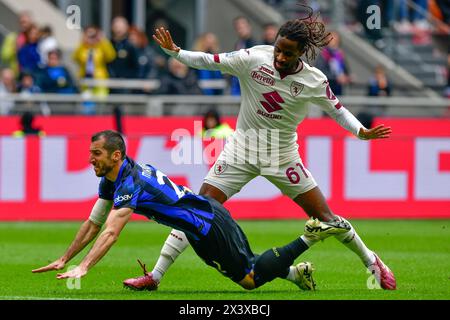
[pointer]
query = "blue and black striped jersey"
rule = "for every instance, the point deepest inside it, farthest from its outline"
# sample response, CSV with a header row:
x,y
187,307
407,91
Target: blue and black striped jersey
x,y
151,193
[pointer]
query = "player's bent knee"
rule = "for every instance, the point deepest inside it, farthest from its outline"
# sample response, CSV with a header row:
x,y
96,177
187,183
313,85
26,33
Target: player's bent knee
x,y
213,192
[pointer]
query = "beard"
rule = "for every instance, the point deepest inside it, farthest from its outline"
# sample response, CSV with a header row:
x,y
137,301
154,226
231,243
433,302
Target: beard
x,y
103,170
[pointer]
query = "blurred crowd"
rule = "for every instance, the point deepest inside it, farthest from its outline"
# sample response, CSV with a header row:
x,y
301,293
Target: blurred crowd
x,y
406,17
32,61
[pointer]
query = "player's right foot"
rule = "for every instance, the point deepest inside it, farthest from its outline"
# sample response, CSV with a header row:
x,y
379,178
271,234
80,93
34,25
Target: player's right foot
x,y
145,282
316,230
303,276
383,274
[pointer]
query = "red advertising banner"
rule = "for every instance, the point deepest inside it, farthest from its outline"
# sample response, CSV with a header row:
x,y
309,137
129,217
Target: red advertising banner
x,y
407,176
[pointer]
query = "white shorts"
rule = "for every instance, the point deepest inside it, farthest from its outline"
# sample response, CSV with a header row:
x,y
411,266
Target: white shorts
x,y
290,175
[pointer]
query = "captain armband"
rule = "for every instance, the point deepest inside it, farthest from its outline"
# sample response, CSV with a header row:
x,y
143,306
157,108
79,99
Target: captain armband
x,y
100,211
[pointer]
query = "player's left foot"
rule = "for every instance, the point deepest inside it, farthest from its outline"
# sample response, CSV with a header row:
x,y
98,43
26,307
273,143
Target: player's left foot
x,y
145,282
303,276
383,274
316,230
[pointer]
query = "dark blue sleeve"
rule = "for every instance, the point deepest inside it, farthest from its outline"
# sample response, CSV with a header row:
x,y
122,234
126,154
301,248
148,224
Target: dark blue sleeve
x,y
106,189
127,195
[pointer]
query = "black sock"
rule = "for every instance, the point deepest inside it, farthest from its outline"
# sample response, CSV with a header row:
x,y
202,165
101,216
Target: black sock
x,y
275,262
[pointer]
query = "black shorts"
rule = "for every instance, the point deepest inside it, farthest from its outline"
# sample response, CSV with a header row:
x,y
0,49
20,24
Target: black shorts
x,y
225,247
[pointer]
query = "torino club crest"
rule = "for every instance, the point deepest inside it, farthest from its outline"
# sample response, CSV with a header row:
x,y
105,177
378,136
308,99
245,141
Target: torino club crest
x,y
220,167
296,88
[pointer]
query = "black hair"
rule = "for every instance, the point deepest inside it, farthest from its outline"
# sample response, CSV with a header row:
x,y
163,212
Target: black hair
x,y
26,120
47,29
113,141
26,73
211,113
308,32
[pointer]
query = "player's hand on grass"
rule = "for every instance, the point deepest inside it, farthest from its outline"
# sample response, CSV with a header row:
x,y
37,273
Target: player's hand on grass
x,y
164,39
78,272
56,265
379,132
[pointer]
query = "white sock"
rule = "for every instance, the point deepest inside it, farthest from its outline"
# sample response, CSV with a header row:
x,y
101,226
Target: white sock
x,y
175,244
291,274
307,241
352,241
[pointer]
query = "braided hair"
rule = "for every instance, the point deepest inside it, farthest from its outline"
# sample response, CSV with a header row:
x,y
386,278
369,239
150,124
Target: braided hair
x,y
309,33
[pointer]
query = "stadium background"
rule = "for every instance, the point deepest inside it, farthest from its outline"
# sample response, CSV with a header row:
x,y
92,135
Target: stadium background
x,y
48,178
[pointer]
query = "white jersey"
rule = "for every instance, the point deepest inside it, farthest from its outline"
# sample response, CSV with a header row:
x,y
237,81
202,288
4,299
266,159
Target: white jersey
x,y
272,101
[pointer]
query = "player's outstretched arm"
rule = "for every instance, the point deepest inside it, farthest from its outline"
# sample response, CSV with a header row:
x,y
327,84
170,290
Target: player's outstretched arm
x,y
87,232
55,265
379,132
114,225
194,59
164,39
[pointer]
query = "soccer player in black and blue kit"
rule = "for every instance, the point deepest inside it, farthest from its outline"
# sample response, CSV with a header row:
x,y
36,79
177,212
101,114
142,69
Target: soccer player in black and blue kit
x,y
128,187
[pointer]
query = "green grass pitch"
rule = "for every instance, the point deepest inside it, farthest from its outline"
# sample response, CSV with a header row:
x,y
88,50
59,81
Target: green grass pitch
x,y
418,251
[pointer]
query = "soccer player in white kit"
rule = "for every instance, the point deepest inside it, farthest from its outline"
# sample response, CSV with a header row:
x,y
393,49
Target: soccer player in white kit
x,y
276,87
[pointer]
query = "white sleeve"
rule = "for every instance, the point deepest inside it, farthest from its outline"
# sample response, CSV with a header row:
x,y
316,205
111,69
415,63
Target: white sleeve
x,y
100,211
347,120
328,102
233,63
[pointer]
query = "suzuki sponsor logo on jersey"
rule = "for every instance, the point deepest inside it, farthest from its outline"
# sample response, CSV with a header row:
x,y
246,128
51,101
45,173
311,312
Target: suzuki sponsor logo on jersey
x,y
268,115
220,167
296,88
272,102
266,69
262,78
121,198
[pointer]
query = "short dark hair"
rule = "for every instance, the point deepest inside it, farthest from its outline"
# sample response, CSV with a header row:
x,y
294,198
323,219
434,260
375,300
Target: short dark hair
x,y
113,141
308,32
56,51
211,113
